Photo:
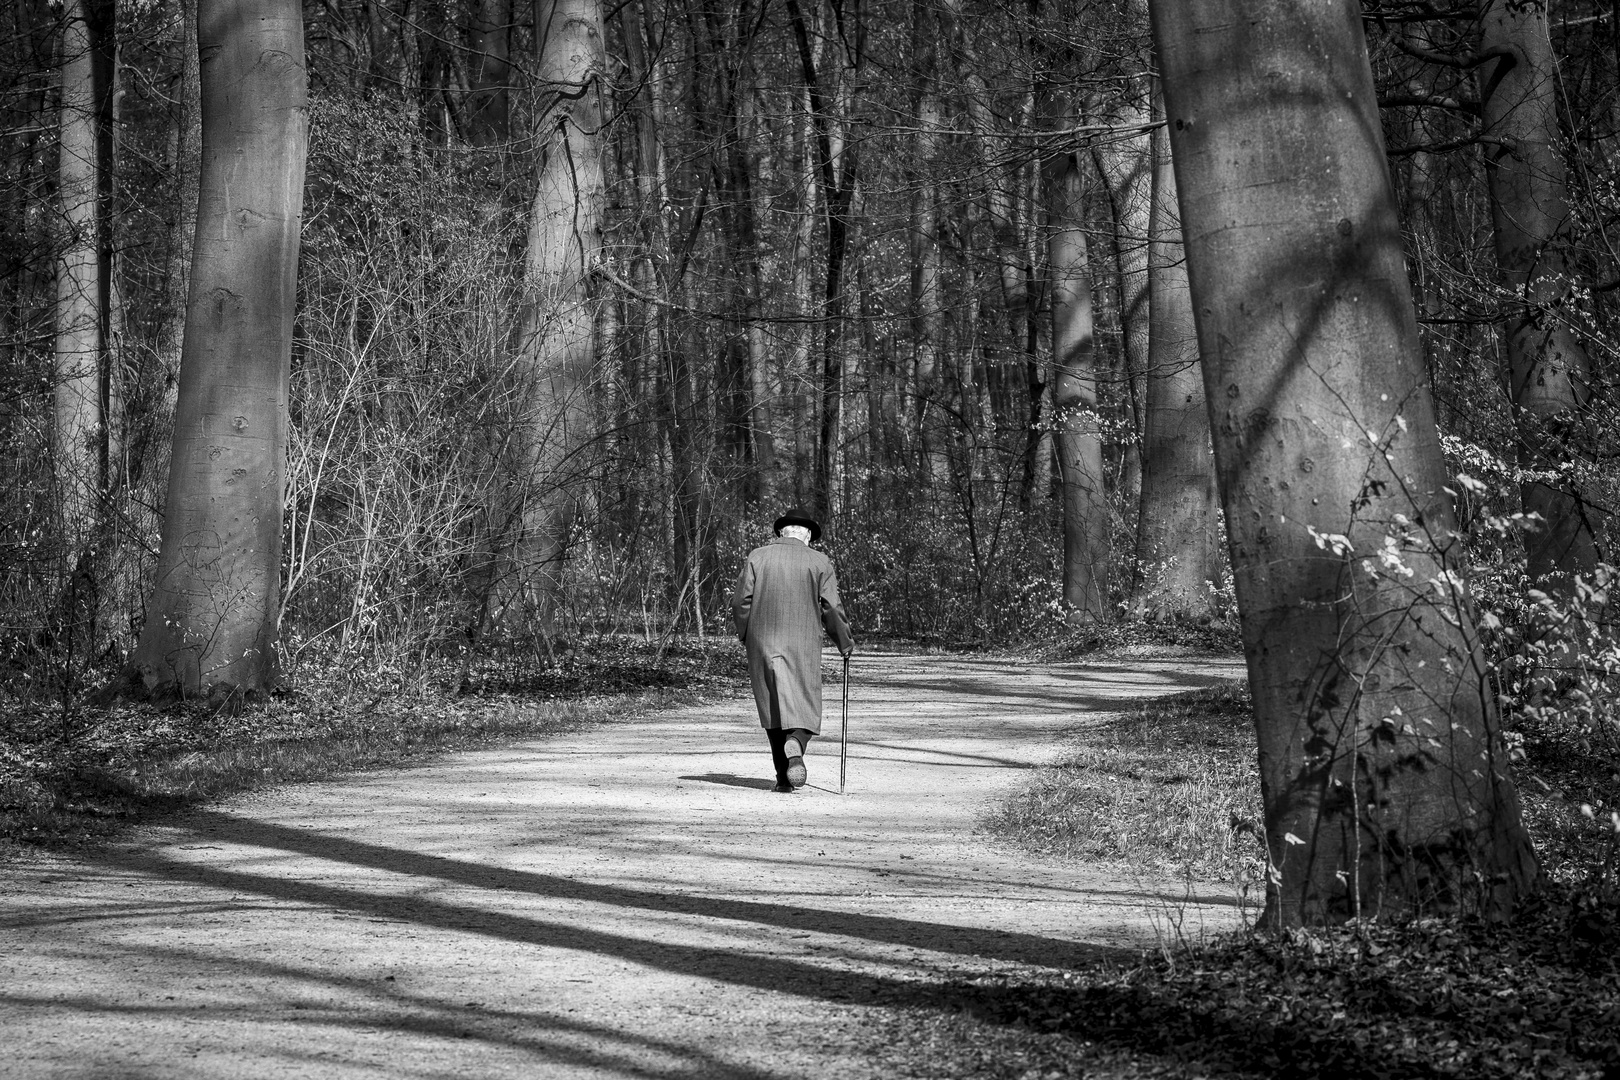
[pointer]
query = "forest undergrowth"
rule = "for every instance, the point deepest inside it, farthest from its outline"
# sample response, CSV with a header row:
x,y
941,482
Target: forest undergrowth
x,y
75,774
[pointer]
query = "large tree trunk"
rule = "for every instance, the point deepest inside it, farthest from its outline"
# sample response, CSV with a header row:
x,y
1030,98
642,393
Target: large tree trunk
x,y
1177,541
556,346
211,622
1548,372
1382,769
1087,519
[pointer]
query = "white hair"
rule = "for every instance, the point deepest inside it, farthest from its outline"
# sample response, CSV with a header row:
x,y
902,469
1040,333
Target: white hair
x,y
797,532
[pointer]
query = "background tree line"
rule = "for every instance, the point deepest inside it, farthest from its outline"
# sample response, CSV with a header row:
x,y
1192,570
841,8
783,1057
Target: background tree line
x,y
821,273
586,296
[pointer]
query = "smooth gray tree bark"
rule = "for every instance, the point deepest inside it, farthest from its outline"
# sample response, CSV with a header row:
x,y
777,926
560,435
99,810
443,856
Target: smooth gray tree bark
x,y
1178,550
79,354
1548,372
1087,516
556,344
211,622
1383,773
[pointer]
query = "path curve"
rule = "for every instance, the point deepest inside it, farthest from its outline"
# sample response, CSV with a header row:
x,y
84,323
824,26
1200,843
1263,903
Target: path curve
x,y
625,901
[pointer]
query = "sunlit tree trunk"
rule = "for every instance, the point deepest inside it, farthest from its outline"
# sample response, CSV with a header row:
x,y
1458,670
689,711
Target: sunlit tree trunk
x,y
80,431
764,412
555,349
927,314
1382,769
1125,162
211,622
1177,541
1038,445
801,357
1087,518
1548,374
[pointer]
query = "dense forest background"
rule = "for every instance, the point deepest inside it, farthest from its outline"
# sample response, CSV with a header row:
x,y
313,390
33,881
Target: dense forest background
x,y
887,260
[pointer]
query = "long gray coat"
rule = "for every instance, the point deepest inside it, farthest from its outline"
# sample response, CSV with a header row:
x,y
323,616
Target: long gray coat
x,y
785,595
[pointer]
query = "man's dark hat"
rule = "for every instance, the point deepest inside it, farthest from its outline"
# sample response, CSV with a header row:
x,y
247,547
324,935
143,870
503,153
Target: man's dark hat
x,y
799,516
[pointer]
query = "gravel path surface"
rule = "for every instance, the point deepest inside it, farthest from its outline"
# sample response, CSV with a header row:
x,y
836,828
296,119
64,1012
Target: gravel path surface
x,y
626,901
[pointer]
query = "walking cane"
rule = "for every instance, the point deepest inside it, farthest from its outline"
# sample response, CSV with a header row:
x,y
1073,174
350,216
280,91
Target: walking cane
x,y
843,741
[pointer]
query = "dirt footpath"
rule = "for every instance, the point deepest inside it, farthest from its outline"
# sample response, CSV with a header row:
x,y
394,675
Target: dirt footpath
x,y
628,901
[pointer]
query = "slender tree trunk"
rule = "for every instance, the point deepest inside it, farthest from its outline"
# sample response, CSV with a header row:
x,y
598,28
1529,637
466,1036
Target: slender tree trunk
x,y
762,383
1086,514
555,349
729,56
1548,374
109,299
801,371
80,431
1126,165
927,311
183,225
648,169
151,441
1038,443
836,166
489,72
1419,170
1012,255
211,622
1382,768
1178,546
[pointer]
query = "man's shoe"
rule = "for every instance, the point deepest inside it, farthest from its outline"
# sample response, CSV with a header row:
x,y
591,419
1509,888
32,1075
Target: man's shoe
x,y
795,773
783,786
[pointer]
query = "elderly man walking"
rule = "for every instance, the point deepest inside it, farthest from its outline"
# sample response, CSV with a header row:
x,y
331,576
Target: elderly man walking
x,y
786,594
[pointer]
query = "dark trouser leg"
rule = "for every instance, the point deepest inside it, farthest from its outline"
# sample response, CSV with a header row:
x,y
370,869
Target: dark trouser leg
x,y
778,737
787,747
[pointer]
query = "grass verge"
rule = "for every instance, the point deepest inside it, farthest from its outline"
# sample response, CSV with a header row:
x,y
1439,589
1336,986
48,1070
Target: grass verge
x,y
77,775
1127,637
1157,786
1171,784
